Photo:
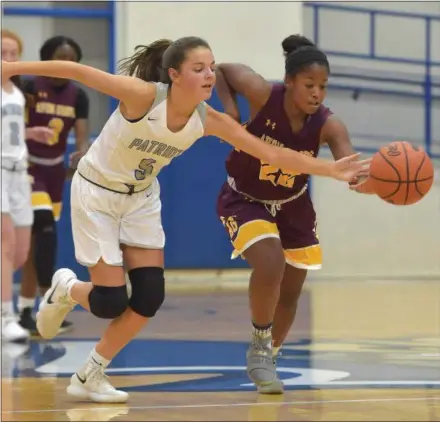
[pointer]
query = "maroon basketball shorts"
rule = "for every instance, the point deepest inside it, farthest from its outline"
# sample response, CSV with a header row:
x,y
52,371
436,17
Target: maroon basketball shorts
x,y
248,221
47,187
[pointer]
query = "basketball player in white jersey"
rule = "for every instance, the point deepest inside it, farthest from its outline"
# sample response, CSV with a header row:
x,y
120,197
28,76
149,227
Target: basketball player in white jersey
x,y
115,202
16,208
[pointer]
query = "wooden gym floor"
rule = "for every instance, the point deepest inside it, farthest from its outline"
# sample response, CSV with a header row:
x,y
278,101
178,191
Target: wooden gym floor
x,y
358,351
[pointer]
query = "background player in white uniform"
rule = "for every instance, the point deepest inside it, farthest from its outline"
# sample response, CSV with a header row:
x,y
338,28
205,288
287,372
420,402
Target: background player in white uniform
x,y
115,194
16,208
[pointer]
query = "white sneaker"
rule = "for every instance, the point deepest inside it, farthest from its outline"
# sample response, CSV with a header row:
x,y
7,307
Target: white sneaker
x,y
12,331
95,387
56,304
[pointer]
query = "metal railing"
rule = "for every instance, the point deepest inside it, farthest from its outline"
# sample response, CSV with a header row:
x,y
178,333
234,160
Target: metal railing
x,y
427,83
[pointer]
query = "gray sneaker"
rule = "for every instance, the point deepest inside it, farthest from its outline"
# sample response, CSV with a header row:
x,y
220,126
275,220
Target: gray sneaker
x,y
260,367
275,358
275,387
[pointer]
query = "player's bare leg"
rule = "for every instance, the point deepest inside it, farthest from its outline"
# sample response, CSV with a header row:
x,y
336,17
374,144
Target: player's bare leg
x,y
266,257
285,312
90,382
11,330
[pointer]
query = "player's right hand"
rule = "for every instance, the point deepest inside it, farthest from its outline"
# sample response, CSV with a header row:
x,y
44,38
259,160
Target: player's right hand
x,y
348,168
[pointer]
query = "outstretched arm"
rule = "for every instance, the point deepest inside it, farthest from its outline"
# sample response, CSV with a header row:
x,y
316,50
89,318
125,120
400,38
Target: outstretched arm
x,y
335,134
235,78
222,126
135,94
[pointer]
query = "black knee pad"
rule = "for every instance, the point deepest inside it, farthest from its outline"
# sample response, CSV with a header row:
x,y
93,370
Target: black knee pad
x,y
147,290
108,302
45,246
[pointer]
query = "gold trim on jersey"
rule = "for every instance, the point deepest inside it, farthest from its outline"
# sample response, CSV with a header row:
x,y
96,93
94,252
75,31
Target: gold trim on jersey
x,y
57,208
42,201
251,232
308,258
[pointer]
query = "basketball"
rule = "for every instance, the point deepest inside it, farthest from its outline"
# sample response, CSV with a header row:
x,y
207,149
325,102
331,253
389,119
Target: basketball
x,y
402,174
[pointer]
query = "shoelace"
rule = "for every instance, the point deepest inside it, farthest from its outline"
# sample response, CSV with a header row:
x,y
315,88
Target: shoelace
x,y
273,208
65,300
276,357
97,375
261,352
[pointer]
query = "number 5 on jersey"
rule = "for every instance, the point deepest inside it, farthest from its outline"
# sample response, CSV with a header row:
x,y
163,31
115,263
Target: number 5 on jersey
x,y
145,169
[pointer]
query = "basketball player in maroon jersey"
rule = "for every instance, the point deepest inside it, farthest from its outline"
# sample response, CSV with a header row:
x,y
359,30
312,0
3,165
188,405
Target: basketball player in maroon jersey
x,y
267,211
60,105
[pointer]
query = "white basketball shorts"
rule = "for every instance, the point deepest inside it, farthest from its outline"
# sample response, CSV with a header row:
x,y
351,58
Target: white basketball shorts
x,y
102,220
16,197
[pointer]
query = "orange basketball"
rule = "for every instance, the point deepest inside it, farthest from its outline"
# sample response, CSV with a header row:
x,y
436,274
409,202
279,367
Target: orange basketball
x,y
401,173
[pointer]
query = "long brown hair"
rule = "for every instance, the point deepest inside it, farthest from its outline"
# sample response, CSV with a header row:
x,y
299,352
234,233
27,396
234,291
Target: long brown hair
x,y
151,63
146,62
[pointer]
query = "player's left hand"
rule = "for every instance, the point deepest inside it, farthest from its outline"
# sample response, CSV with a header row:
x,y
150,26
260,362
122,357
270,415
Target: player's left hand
x,y
348,168
362,184
41,134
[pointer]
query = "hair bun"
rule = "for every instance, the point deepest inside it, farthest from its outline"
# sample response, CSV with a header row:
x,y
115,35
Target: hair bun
x,y
293,42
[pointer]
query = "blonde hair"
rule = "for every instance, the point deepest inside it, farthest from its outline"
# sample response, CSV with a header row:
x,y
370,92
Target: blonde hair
x,y
6,33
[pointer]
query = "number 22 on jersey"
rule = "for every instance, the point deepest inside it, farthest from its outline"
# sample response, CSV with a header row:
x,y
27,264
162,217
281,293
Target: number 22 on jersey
x,y
277,176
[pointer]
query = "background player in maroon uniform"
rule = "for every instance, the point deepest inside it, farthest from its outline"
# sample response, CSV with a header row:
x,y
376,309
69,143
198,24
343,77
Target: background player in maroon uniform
x,y
268,211
60,105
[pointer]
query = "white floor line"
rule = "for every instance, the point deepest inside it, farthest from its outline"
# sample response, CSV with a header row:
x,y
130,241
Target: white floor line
x,y
202,406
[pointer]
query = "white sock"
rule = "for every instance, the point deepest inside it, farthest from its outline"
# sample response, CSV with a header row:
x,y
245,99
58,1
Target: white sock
x,y
25,302
69,289
97,358
93,360
275,351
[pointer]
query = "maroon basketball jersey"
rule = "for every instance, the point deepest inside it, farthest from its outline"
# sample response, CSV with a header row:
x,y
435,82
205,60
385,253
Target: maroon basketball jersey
x,y
53,107
261,180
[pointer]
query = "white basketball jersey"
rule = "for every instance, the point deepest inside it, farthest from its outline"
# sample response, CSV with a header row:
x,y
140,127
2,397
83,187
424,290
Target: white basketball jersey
x,y
13,126
134,153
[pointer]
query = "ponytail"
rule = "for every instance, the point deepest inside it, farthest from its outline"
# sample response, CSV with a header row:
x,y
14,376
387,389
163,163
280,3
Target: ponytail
x,y
294,42
146,62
